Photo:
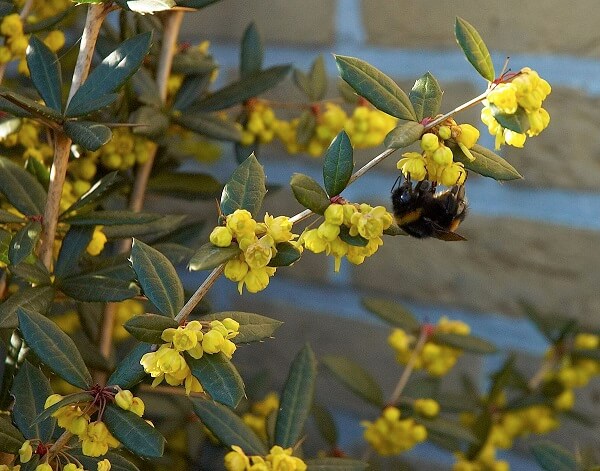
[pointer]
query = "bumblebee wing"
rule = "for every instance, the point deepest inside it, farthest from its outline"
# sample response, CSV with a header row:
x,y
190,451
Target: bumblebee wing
x,y
443,234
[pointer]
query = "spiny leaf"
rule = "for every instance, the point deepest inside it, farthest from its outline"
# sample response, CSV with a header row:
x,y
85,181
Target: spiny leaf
x,y
245,188
426,96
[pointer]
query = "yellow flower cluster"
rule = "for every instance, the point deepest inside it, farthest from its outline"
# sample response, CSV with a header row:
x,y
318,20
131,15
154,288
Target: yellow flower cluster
x,y
168,362
260,125
390,435
256,419
257,243
357,219
125,310
486,461
28,137
367,127
94,436
16,41
525,92
43,9
124,150
96,245
278,459
426,407
436,358
436,162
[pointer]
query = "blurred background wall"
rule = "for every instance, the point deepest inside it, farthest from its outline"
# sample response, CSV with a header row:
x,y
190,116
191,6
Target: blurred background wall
x,y
534,240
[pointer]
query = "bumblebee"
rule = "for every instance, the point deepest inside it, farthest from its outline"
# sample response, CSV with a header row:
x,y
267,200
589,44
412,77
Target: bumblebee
x,y
422,213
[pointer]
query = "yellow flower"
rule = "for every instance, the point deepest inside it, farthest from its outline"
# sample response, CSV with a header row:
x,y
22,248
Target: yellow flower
x,y
221,236
55,40
236,460
212,341
137,406
256,280
96,245
124,399
185,338
5,55
334,214
442,156
259,254
504,96
328,231
236,269
371,224
25,452
454,174
11,25
104,465
282,460
97,439
430,142
427,407
468,135
313,241
279,228
43,467
241,222
72,467
412,166
18,45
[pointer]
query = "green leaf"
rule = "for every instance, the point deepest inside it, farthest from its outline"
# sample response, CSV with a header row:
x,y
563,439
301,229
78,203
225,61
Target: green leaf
x,y
210,125
192,186
376,87
35,273
296,399
218,377
286,255
335,464
426,96
149,327
45,72
517,122
338,164
24,242
158,278
355,240
21,188
150,6
228,427
73,246
74,398
486,163
96,193
447,428
325,423
39,171
95,287
10,437
117,462
93,105
192,87
309,193
392,313
195,3
133,432
245,188
307,124
110,218
31,389
253,327
210,256
54,348
91,136
245,88
150,121
474,49
36,298
251,55
47,23
130,372
193,62
158,228
5,216
29,106
468,343
5,238
112,73
313,84
355,378
404,135
552,457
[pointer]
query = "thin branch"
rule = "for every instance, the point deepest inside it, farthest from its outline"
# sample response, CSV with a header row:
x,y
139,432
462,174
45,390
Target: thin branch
x,y
199,294
410,366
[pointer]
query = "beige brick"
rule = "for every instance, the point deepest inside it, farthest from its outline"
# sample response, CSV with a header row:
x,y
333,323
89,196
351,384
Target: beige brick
x,y
307,22
567,153
529,26
503,261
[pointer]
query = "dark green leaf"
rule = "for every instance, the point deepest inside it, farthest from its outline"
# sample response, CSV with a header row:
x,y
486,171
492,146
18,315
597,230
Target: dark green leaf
x,y
158,278
228,427
210,125
218,377
36,298
474,48
245,188
193,63
133,432
191,89
45,72
338,164
195,3
253,327
129,371
404,135
426,97
94,287
481,429
47,23
335,464
309,193
376,87
392,313
150,121
318,79
26,106
112,73
149,327
21,188
447,428
110,218
39,171
251,55
465,342
552,457
210,256
10,437
191,186
517,122
96,193
5,238
307,124
24,242
158,228
245,88
285,256
355,240
73,246
117,462
91,136
325,423
93,105
486,163
5,216
35,273
355,378
296,399
145,87
176,254
54,348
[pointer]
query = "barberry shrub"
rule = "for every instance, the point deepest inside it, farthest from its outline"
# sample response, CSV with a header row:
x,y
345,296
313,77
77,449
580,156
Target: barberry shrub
x,y
94,315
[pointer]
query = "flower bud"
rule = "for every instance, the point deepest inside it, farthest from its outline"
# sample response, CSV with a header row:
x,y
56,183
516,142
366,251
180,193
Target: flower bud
x,y
468,135
124,399
445,132
334,214
429,142
442,156
221,236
